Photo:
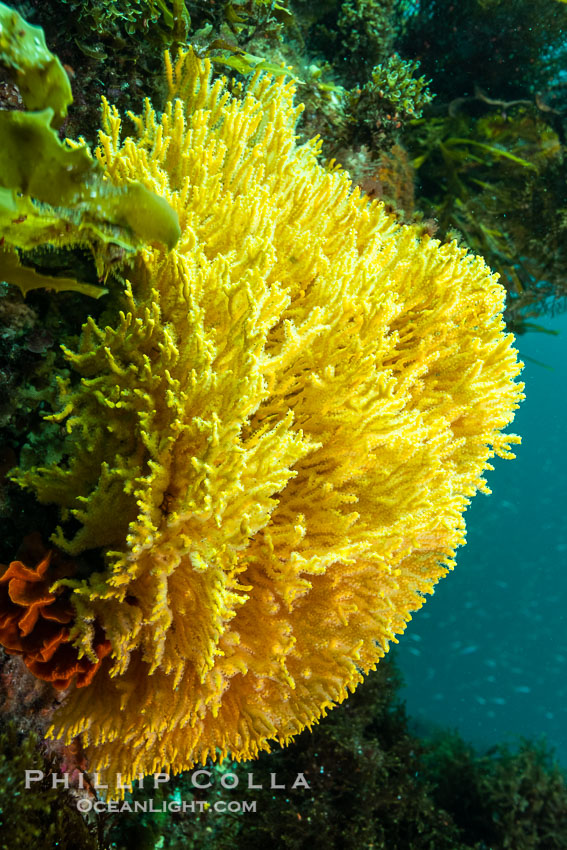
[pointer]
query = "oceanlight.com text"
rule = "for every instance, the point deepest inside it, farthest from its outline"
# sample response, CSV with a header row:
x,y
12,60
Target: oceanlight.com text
x,y
189,807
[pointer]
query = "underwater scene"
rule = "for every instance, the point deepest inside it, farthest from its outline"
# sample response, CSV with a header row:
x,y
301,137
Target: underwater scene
x,y
283,481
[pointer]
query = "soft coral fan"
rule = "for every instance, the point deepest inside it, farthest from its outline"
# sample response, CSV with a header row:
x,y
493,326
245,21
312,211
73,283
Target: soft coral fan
x,y
276,441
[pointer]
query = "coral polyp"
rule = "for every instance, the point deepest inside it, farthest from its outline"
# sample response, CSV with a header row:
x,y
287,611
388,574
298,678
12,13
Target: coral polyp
x,y
274,441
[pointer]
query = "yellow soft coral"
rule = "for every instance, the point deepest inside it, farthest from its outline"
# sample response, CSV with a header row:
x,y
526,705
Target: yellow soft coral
x,y
274,443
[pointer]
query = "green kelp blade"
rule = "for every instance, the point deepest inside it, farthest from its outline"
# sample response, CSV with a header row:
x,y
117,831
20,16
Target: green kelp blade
x,y
27,278
134,206
40,76
35,162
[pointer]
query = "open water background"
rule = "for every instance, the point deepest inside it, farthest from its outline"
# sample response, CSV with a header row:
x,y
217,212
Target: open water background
x,y
487,654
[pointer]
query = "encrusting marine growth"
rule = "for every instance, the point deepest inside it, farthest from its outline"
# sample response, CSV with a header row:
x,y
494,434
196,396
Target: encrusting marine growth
x,y
34,620
275,442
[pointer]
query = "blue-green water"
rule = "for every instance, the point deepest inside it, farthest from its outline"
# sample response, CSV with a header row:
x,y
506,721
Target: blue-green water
x,y
488,653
